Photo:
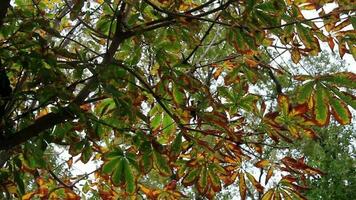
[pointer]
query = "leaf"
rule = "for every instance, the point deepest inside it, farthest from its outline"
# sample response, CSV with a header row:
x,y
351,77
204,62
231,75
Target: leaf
x,y
321,108
156,121
176,145
28,196
304,92
268,195
86,153
202,183
295,56
178,95
147,161
269,174
286,195
215,180
129,178
161,164
344,79
346,97
283,103
191,176
340,111
117,177
242,186
254,182
262,163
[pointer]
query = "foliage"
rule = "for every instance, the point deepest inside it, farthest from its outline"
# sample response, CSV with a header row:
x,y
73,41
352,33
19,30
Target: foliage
x,y
165,88
334,154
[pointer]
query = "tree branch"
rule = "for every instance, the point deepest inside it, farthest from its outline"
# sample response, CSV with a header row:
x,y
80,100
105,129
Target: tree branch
x,y
51,119
4,5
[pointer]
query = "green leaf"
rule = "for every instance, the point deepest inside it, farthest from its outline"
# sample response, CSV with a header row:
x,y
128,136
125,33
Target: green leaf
x,y
86,153
156,121
20,182
340,111
118,173
346,97
178,95
304,92
305,36
215,180
176,145
161,164
147,161
344,79
321,108
202,181
191,177
129,178
111,165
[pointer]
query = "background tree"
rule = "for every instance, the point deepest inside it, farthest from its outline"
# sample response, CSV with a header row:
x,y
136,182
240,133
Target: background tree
x,y
165,88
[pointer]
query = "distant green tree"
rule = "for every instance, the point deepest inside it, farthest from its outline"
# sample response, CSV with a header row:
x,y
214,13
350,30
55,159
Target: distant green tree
x,y
335,156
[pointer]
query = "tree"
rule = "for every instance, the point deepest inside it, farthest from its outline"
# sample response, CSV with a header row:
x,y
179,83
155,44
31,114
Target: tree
x,y
164,88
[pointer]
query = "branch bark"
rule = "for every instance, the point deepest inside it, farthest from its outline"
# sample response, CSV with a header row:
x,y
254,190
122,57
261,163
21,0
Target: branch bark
x,y
4,5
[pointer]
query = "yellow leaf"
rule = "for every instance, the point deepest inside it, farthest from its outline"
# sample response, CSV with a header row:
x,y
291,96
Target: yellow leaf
x,y
28,196
262,163
268,195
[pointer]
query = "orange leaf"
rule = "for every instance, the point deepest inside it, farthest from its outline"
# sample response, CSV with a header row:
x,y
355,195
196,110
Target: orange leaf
x,y
251,62
217,73
28,196
310,133
269,174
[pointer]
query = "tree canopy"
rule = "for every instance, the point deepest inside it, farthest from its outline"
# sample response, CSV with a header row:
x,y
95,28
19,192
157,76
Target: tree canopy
x,y
191,92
